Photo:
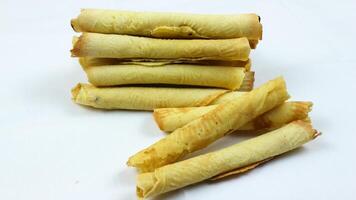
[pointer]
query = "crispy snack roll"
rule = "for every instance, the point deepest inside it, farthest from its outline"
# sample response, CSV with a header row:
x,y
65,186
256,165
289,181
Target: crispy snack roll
x,y
170,119
226,161
124,46
169,25
177,74
224,119
143,98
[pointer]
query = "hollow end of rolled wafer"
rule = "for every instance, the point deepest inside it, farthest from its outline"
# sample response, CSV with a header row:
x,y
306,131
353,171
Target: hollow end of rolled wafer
x,y
140,163
75,91
305,105
301,110
74,40
253,43
308,127
79,90
260,28
77,45
83,63
307,119
158,119
248,65
146,183
139,192
248,81
256,29
74,24
316,134
281,85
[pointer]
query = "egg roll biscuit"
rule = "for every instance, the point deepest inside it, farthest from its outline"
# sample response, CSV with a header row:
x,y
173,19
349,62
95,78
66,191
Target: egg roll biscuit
x,y
146,98
206,166
177,74
170,119
169,25
124,46
143,98
224,119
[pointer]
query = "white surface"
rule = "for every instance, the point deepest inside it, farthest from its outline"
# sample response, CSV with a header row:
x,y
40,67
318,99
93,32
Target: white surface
x,y
51,148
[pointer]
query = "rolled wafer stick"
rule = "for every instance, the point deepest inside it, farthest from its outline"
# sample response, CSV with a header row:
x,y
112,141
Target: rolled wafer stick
x,y
169,25
224,119
90,61
149,98
242,155
170,119
124,46
176,74
143,98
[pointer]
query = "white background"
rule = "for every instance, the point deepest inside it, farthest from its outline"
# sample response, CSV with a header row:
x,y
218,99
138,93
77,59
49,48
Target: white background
x,y
51,148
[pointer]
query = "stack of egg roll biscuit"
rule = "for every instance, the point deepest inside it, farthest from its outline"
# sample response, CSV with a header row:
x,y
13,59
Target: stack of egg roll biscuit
x,y
141,60
194,72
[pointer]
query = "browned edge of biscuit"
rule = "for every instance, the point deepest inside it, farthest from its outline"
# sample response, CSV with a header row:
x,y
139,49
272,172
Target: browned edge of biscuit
x,y
78,43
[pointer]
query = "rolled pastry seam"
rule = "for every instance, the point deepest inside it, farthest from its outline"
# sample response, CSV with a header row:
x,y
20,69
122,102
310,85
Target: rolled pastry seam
x,y
246,153
168,25
124,46
241,170
146,98
248,82
170,119
90,61
222,120
143,98
176,74
229,96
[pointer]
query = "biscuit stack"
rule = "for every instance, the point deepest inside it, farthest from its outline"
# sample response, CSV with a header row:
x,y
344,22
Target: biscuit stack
x,y
160,54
